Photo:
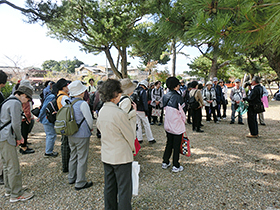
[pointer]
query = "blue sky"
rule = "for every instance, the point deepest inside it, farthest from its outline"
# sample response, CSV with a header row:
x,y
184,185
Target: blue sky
x,y
29,45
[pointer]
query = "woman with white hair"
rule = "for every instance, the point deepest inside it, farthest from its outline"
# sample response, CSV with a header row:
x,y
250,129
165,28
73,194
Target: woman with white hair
x,y
209,97
79,142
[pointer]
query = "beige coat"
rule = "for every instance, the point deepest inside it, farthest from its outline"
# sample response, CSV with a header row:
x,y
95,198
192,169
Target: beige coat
x,y
125,105
198,96
117,136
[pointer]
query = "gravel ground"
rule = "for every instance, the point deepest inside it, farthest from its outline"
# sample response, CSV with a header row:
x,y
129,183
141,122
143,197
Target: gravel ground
x,y
225,171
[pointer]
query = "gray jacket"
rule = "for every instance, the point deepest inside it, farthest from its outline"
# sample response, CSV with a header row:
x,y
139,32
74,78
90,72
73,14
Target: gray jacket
x,y
11,110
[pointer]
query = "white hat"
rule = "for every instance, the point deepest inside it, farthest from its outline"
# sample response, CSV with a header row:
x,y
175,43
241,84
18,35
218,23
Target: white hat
x,y
208,83
76,88
144,82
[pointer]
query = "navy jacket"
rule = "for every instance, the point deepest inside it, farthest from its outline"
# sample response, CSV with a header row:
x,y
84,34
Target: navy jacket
x,y
255,95
172,99
219,93
143,105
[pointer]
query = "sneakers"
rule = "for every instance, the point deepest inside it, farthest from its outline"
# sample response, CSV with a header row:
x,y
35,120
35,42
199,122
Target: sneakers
x,y
54,154
175,169
24,188
24,197
165,166
240,123
153,141
231,122
218,118
27,151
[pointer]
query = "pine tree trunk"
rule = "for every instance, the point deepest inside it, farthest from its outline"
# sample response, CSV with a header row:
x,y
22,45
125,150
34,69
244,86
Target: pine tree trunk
x,y
124,62
173,57
113,67
214,67
273,61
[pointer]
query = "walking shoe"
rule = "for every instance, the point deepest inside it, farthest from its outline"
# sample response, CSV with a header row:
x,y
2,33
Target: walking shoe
x,y
263,124
189,122
152,142
219,119
199,131
224,118
152,123
54,154
165,166
231,122
252,136
159,124
27,151
175,169
25,196
24,188
241,123
87,185
140,141
208,121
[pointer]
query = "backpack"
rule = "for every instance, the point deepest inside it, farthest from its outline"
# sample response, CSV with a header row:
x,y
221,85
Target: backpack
x,y
135,96
7,123
193,103
65,123
122,98
52,109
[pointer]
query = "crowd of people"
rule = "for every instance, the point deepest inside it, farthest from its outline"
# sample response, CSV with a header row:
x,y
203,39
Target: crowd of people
x,y
121,108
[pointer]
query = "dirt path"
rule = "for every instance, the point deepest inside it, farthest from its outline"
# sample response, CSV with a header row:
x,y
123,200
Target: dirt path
x,y
225,171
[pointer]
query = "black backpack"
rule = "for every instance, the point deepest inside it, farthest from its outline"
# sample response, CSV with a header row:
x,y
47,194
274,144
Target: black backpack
x,y
135,96
193,103
52,109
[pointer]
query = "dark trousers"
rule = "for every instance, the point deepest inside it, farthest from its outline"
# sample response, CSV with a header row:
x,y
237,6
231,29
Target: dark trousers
x,y
189,115
173,143
210,110
218,109
252,121
196,119
118,186
224,105
150,113
25,130
65,153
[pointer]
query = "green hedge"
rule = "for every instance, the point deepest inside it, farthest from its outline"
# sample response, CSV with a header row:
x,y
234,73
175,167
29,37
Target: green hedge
x,y
7,90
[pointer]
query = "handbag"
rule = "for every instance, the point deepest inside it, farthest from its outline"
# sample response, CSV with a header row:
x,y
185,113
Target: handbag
x,y
137,146
156,112
185,148
258,108
135,177
35,111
